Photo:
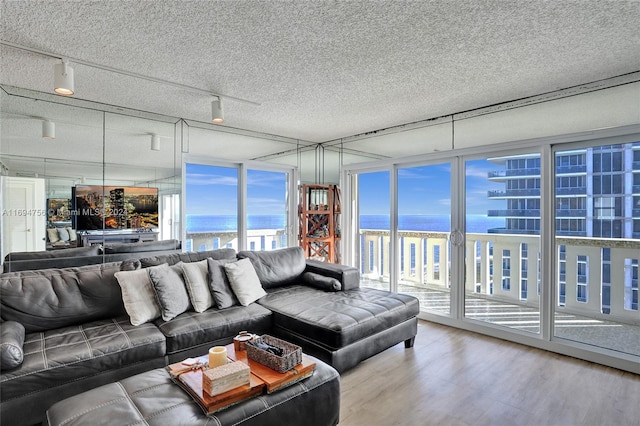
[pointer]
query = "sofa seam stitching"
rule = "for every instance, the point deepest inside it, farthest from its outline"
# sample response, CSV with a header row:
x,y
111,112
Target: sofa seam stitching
x,y
72,381
132,403
78,361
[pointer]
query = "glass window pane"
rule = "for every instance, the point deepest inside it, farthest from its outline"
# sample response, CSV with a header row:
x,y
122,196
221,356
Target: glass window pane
x,y
502,240
595,270
211,199
266,209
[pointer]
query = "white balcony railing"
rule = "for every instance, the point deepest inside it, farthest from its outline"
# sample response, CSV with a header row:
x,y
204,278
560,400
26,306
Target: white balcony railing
x,y
257,239
506,268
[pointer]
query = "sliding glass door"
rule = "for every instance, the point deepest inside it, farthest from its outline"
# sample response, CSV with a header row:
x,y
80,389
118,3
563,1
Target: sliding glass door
x,y
597,246
374,244
424,225
502,284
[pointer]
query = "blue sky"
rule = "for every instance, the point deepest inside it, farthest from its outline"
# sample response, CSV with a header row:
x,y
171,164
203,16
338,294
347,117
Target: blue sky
x,y
214,190
421,190
427,190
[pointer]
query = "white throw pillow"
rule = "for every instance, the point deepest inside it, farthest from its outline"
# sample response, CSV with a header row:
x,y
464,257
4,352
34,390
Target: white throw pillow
x,y
196,279
138,296
52,234
244,281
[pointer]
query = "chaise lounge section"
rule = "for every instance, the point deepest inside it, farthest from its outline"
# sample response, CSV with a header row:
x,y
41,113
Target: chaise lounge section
x,y
78,333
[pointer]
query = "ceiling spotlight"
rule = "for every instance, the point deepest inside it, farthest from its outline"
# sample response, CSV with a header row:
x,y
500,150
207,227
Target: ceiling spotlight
x,y
48,129
63,79
155,142
217,113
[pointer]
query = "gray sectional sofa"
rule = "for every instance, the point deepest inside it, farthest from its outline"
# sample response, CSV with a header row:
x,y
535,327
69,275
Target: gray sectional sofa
x,y
90,255
68,330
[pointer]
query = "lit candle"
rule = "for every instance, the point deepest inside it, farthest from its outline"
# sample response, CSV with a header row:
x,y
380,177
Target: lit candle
x,y
217,356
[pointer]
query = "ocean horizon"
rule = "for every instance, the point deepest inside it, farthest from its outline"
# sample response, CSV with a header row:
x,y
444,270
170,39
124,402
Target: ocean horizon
x,y
437,223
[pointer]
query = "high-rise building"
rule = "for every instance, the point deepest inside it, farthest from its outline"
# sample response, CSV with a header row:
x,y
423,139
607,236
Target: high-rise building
x,y
597,192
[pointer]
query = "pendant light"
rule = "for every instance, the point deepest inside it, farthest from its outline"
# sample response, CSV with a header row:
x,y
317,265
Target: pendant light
x,y
48,129
217,113
63,79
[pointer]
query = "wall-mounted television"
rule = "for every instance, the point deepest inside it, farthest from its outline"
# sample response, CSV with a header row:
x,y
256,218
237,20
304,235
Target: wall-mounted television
x,y
114,207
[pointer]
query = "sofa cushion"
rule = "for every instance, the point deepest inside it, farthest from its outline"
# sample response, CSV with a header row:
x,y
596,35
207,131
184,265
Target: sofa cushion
x,y
193,329
244,281
170,290
337,319
11,341
52,298
196,278
68,354
219,283
138,296
73,235
277,267
142,247
63,234
52,235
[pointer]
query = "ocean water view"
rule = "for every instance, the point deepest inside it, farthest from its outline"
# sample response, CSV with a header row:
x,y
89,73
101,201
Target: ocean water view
x,y
438,223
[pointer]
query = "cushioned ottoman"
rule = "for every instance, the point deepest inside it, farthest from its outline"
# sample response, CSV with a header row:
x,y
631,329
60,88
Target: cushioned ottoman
x,y
342,327
151,398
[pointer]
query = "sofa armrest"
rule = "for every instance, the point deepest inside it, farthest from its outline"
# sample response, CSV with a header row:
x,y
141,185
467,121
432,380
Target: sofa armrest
x,y
348,276
11,344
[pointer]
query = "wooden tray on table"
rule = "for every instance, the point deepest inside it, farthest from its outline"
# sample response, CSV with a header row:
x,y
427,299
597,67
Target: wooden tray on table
x,y
262,379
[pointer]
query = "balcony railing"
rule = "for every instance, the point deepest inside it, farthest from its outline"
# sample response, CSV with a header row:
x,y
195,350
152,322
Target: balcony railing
x,y
514,213
426,263
571,169
533,192
260,239
533,172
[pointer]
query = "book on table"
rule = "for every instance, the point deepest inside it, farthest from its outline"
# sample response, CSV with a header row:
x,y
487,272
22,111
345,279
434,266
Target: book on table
x,y
262,379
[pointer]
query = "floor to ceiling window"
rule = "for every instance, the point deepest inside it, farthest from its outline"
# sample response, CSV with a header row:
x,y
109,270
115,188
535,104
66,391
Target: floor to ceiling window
x,y
211,207
266,209
374,244
551,245
597,216
503,241
231,206
424,224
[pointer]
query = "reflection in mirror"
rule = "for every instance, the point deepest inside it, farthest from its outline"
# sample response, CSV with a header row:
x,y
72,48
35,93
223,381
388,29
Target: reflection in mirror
x,y
40,165
90,148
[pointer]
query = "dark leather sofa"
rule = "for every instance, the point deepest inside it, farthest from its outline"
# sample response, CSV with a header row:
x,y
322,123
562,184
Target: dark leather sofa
x,y
90,255
77,335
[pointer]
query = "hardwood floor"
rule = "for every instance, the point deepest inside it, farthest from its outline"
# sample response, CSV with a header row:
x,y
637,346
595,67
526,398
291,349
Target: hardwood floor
x,y
456,377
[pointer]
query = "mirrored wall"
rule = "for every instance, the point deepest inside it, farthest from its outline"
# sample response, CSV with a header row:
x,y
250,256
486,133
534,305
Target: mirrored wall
x,y
77,174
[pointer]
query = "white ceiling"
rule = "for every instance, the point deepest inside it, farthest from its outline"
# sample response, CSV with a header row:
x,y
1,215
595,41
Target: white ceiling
x,y
320,70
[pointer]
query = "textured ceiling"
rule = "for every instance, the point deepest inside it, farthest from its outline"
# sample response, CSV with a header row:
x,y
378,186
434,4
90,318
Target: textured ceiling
x,y
321,70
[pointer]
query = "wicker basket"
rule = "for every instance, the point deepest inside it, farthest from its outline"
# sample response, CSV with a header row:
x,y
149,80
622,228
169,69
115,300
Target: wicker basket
x,y
292,354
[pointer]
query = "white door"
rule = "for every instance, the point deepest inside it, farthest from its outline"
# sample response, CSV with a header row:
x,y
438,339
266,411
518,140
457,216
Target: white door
x,y
24,214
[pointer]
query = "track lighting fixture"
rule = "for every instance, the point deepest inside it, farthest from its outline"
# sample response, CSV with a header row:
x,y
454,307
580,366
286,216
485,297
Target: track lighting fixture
x,y
63,79
155,142
48,129
217,113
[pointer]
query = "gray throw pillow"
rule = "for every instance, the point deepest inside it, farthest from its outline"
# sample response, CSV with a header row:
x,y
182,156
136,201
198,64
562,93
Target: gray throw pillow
x,y
219,283
63,234
244,281
321,281
138,296
11,342
195,277
170,291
